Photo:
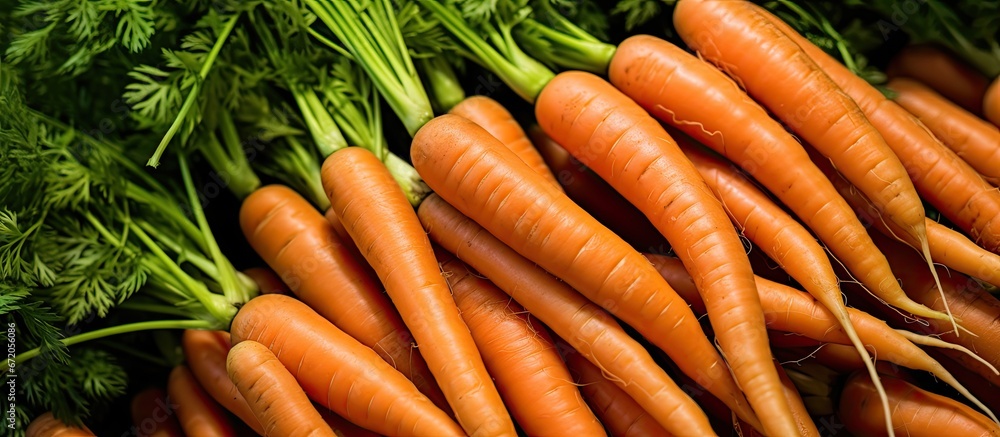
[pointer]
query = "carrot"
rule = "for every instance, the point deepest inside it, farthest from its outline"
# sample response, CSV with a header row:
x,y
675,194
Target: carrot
x,y
341,426
197,412
153,414
622,143
545,226
985,390
991,102
915,412
267,281
303,248
806,425
976,141
597,197
386,229
585,326
276,399
940,70
520,356
206,353
787,309
782,238
940,176
345,239
337,371
620,414
46,425
495,119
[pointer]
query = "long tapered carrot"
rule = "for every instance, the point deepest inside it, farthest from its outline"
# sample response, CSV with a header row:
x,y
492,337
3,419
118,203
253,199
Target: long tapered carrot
x,y
276,399
597,197
337,371
940,176
937,68
626,146
915,412
581,323
689,93
384,226
303,248
154,415
492,116
520,356
974,140
206,353
781,237
787,309
620,414
197,412
46,425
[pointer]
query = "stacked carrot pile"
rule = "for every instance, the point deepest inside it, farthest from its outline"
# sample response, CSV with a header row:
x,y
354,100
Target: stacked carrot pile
x,y
733,231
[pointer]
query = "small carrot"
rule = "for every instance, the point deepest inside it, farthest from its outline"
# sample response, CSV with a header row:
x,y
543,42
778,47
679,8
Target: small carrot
x,y
974,140
153,414
303,248
545,226
620,141
520,356
492,116
619,413
276,399
939,69
205,352
46,425
597,197
337,371
581,323
385,227
267,281
915,412
197,412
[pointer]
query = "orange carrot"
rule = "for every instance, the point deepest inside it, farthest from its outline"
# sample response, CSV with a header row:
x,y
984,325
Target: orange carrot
x,y
341,426
46,425
197,412
597,197
991,102
495,119
153,414
337,371
585,326
622,143
276,399
937,68
619,413
303,248
915,412
941,177
976,141
518,207
520,356
382,223
206,353
267,281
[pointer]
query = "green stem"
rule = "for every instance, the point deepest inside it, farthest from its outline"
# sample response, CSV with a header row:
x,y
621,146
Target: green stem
x,y
324,130
164,204
296,166
408,179
184,253
565,50
192,96
123,329
446,91
360,129
149,307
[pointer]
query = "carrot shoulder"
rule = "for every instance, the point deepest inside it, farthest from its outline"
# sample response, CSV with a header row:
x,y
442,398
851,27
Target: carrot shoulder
x,y
623,144
46,425
385,227
538,221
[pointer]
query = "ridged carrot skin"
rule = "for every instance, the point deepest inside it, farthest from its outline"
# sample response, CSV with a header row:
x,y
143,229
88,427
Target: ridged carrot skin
x,y
197,412
621,142
520,355
337,371
581,323
545,226
498,121
938,69
973,139
276,399
302,246
205,353
386,229
46,425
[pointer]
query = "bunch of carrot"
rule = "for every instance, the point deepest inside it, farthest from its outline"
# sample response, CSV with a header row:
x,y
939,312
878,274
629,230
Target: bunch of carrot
x,y
517,292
